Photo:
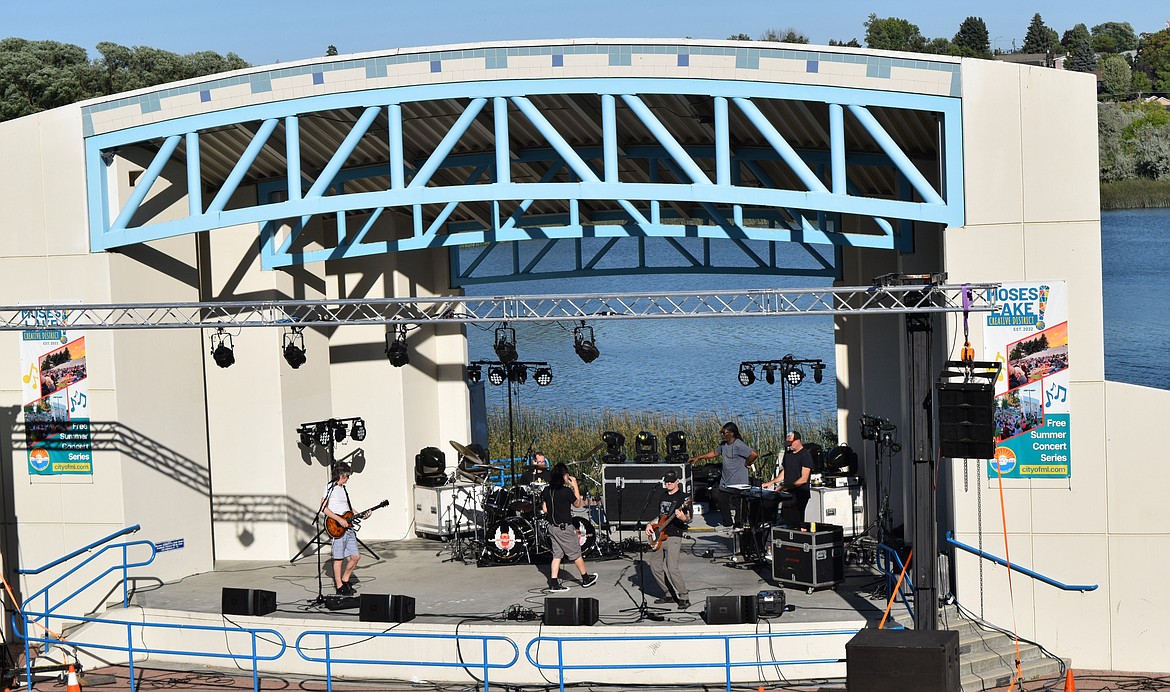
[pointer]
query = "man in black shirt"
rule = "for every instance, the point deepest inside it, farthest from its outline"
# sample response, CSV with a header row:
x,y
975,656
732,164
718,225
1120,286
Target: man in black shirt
x,y
674,513
558,501
538,472
795,470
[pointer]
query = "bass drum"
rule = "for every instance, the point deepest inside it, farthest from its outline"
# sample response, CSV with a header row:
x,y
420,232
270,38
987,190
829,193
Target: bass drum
x,y
586,534
507,538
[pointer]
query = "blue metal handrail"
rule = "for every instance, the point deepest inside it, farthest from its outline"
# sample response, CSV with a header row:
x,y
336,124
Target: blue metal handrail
x,y
79,551
892,556
1022,570
329,659
254,634
727,664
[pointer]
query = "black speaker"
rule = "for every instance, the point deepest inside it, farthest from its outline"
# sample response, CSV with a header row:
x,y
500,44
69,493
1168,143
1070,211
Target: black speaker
x,y
570,611
380,607
247,601
902,661
430,467
731,610
966,420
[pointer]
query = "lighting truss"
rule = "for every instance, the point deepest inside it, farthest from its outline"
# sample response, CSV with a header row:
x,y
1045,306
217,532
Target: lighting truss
x,y
599,306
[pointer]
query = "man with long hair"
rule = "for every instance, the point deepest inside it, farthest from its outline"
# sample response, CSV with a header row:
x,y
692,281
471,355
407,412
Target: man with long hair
x,y
557,503
738,458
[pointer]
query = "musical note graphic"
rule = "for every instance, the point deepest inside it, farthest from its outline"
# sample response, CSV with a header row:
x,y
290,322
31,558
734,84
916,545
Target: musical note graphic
x,y
77,400
1057,392
32,374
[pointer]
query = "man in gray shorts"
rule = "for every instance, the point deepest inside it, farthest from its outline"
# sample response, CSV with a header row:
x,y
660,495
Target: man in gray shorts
x,y
557,503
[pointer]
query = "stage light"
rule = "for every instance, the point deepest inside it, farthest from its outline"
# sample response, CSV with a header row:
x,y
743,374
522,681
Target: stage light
x,y
543,376
294,347
613,447
324,435
358,431
770,373
474,374
585,344
794,375
646,448
339,431
496,375
676,447
747,374
818,372
396,351
306,434
505,345
221,348
517,374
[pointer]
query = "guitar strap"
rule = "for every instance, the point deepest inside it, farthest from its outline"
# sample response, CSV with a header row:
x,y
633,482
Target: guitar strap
x,y
347,500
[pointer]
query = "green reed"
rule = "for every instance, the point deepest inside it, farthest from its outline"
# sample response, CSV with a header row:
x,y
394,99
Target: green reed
x,y
568,436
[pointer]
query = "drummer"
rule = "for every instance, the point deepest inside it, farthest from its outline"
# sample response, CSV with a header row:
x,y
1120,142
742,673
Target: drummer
x,y
537,471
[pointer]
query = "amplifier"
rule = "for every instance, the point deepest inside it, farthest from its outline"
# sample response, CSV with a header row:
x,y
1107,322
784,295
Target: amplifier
x,y
629,487
771,603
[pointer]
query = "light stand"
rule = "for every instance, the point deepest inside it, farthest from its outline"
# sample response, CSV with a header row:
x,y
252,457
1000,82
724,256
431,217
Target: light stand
x,y
512,373
325,434
791,374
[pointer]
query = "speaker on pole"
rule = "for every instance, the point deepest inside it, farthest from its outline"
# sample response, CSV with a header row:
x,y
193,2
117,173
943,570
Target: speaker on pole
x,y
966,420
247,601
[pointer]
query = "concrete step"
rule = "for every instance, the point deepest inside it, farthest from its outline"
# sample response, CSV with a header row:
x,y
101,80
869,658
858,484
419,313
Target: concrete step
x,y
981,660
1033,669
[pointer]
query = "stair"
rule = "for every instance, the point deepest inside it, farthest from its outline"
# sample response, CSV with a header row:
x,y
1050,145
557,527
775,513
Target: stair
x,y
986,657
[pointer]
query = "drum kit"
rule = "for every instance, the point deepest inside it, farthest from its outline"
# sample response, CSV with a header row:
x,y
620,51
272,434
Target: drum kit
x,y
511,525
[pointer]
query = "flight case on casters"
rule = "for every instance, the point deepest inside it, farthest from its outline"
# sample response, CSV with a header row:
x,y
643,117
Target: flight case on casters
x,y
628,488
807,557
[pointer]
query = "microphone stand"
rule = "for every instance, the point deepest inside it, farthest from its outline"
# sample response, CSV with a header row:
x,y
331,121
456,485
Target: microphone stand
x,y
320,599
644,611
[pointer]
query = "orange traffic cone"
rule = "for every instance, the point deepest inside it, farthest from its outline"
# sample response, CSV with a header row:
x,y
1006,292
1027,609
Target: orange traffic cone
x,y
1070,685
71,684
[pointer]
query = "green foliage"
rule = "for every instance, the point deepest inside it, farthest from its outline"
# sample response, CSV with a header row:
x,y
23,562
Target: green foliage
x,y
568,435
972,39
1153,58
893,33
940,46
1081,57
739,37
330,50
784,36
851,43
1040,38
125,68
1133,142
1114,37
1135,193
38,75
1116,77
1139,84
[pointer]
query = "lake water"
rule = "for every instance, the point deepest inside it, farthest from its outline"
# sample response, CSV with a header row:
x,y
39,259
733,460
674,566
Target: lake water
x,y
690,365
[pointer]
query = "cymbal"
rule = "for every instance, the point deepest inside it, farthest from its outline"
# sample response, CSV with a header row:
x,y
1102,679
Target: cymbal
x,y
494,467
466,452
595,450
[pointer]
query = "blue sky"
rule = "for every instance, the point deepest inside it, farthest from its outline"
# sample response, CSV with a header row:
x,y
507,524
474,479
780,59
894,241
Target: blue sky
x,y
268,32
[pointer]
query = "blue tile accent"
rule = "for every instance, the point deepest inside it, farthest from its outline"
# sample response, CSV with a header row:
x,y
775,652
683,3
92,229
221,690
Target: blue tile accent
x,y
436,66
684,61
558,60
204,95
318,78
747,59
151,104
261,83
812,66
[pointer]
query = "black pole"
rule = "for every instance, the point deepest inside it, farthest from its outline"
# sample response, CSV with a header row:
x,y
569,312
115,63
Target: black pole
x,y
511,432
784,402
918,335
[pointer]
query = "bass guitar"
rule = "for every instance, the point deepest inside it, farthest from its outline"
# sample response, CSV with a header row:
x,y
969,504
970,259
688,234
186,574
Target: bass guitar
x,y
335,528
658,526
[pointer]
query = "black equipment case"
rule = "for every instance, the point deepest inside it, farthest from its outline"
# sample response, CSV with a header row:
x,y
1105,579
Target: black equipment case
x,y
628,488
806,558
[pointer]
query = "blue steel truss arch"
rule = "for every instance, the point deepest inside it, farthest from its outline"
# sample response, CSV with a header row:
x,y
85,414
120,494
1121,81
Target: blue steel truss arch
x,y
687,194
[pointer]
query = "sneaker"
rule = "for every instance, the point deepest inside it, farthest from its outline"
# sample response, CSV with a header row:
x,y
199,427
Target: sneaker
x,y
345,590
664,599
588,580
351,583
555,586
683,605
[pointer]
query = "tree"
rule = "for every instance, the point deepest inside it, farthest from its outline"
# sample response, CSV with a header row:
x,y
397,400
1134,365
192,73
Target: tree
x,y
1081,57
330,50
972,39
1139,84
1153,58
788,35
852,43
739,37
125,69
1116,77
38,75
940,46
1040,38
893,33
1114,37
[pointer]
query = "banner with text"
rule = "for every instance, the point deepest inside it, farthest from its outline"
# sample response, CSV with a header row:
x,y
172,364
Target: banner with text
x,y
56,398
1029,335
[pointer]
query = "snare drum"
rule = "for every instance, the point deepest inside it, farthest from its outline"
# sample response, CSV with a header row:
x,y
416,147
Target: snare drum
x,y
507,539
523,500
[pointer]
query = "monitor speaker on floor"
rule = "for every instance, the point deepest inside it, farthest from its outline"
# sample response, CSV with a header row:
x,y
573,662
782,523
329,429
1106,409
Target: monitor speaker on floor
x,y
380,607
731,610
570,611
248,601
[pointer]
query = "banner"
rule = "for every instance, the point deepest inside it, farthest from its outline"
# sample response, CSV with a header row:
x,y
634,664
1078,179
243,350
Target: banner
x,y
1029,335
56,398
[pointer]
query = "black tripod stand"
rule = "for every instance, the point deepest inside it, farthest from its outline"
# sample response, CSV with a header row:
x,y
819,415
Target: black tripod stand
x,y
319,540
644,611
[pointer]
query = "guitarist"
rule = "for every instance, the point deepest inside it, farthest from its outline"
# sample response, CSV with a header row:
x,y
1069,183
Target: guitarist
x,y
335,504
674,514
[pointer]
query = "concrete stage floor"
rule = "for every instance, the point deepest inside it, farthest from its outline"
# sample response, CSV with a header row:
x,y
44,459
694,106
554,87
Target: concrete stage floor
x,y
450,591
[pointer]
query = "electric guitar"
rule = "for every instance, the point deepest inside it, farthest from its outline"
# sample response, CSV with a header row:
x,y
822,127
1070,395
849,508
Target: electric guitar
x,y
335,528
658,526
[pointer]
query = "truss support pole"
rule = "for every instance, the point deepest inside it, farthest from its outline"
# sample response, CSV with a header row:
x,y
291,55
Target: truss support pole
x,y
919,328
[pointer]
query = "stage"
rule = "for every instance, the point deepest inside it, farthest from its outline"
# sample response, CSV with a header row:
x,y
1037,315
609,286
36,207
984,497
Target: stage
x,y
506,602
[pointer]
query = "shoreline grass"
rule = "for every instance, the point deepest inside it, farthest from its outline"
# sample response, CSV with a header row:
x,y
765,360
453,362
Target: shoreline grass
x,y
1137,193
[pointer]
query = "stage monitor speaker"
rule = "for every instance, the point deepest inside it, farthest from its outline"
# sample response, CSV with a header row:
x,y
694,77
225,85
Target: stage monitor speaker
x,y
966,420
731,610
380,607
902,661
247,601
570,611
